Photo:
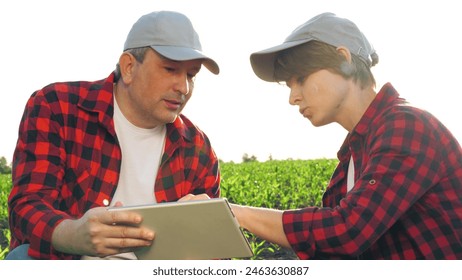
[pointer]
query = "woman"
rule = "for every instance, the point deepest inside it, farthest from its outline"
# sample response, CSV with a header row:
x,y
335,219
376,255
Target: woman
x,y
397,190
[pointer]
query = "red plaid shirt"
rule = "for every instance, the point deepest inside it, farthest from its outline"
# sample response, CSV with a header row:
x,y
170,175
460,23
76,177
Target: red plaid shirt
x,y
407,199
67,160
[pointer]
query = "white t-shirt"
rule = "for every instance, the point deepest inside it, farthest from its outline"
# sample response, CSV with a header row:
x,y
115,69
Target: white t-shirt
x,y
141,154
351,175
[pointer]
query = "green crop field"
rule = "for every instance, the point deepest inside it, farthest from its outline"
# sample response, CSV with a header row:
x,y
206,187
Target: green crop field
x,y
279,184
5,187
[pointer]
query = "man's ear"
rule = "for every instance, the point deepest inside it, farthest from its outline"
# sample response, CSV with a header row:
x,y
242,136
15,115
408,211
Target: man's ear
x,y
126,63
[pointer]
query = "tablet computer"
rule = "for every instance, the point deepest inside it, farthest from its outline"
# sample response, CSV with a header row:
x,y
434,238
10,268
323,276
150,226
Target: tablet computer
x,y
198,229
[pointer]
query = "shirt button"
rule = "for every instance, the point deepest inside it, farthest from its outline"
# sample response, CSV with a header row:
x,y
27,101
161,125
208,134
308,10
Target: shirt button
x,y
372,182
105,202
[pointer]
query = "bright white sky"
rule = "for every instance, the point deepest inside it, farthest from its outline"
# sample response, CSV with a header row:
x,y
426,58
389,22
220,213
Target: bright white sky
x,y
417,41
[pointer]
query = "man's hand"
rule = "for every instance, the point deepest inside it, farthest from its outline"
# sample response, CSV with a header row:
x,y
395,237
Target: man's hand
x,y
202,196
102,233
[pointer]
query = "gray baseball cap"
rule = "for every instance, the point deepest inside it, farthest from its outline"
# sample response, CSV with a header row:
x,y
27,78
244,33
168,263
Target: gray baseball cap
x,y
172,35
327,28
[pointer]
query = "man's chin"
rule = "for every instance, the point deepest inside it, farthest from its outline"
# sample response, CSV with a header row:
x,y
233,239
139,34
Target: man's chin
x,y
174,118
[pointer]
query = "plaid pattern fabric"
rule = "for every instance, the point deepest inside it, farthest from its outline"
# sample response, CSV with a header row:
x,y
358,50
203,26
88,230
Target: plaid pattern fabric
x,y
67,160
407,199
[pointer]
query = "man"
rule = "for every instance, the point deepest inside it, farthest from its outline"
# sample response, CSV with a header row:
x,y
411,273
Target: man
x,y
84,146
397,190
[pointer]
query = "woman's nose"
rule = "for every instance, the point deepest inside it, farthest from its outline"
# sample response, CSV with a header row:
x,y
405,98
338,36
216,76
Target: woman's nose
x,y
295,96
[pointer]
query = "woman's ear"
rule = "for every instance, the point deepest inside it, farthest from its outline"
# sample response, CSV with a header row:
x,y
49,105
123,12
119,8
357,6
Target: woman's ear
x,y
126,63
345,52
347,66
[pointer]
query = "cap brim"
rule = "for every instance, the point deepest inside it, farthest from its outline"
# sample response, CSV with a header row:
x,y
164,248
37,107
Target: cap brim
x,y
182,54
263,61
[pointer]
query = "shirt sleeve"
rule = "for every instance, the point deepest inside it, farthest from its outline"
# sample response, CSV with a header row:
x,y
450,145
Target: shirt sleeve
x,y
37,173
207,179
403,164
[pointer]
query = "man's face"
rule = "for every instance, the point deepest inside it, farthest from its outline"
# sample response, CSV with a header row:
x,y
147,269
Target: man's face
x,y
157,89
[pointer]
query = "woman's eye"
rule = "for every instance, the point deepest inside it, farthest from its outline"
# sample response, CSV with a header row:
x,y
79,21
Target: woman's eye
x,y
301,80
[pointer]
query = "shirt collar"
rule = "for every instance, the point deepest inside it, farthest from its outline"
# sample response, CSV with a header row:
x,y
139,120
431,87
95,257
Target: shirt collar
x,y
99,98
386,98
179,127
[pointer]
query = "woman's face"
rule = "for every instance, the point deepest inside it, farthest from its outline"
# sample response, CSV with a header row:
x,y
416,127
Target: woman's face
x,y
320,96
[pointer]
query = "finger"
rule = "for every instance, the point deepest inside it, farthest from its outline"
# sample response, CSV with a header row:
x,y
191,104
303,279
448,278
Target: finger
x,y
121,217
114,246
188,197
119,231
118,204
203,196
117,239
126,244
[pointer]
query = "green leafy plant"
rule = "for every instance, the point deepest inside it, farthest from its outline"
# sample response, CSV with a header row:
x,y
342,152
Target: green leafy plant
x,y
4,250
5,235
277,184
259,247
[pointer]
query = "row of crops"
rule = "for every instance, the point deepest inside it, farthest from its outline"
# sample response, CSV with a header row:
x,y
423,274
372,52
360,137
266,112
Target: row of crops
x,y
5,187
276,184
280,184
